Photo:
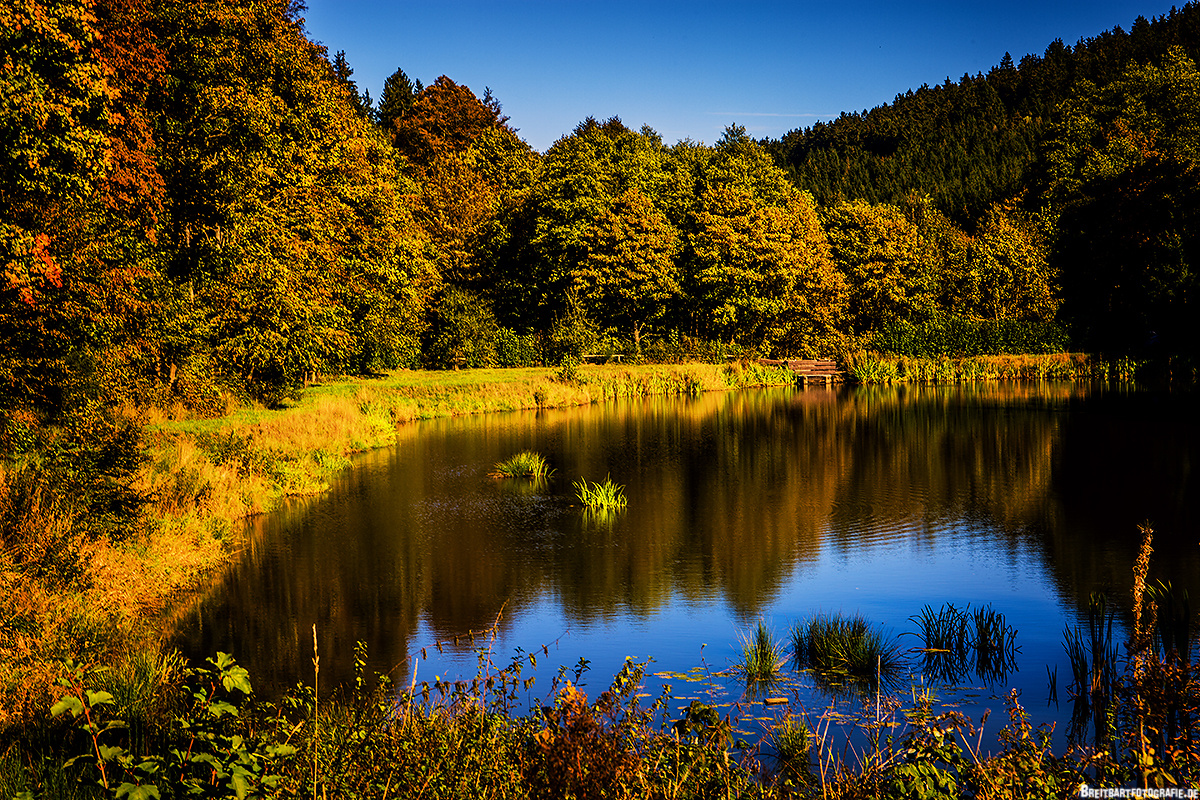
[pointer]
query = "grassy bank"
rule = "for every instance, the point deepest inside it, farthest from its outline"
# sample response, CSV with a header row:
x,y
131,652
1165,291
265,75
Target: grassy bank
x,y
71,590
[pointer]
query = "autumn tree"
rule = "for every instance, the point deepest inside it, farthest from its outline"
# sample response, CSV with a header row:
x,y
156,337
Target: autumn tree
x,y
581,177
886,262
757,262
80,215
1009,275
464,160
286,219
630,276
763,273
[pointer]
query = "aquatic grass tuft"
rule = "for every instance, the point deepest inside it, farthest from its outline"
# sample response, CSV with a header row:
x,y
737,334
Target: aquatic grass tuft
x,y
607,496
792,742
994,643
841,645
762,656
945,634
526,464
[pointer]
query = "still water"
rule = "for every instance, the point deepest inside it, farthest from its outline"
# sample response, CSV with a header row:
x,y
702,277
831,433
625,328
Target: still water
x,y
764,505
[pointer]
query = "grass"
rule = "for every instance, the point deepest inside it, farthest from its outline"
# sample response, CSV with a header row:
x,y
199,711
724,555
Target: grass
x,y
869,367
762,656
596,496
526,464
847,646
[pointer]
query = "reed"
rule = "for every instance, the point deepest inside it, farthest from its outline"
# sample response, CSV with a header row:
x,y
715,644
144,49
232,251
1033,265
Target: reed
x,y
945,629
1077,654
762,656
1092,653
945,634
871,367
596,496
1103,649
848,646
994,643
526,464
1174,615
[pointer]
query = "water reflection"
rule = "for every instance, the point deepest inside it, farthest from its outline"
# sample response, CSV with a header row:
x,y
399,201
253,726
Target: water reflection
x,y
738,502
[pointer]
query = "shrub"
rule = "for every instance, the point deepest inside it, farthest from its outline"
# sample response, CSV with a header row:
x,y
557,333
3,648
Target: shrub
x,y
514,350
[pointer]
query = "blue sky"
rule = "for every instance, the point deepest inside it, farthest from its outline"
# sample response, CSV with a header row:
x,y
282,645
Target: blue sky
x,y
690,69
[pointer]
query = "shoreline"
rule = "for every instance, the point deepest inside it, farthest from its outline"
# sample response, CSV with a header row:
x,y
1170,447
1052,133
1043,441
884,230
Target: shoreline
x,y
206,477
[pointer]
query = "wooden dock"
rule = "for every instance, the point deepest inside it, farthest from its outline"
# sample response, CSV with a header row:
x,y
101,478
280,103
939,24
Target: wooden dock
x,y
814,370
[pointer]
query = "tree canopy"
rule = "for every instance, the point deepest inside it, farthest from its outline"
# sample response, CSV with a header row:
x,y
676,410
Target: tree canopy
x,y
195,198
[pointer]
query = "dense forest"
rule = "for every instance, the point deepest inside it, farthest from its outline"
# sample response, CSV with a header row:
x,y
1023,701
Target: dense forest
x,y
194,195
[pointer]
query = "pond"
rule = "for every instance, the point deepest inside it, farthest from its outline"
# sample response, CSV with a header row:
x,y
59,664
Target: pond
x,y
768,505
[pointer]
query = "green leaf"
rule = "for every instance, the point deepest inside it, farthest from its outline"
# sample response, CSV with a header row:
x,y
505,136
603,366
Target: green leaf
x,y
236,678
70,703
240,785
98,698
220,708
142,792
110,752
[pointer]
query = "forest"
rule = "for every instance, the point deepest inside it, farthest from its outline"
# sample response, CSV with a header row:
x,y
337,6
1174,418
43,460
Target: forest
x,y
196,198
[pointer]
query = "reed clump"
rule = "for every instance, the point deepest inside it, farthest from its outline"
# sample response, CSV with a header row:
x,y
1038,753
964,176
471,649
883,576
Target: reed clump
x,y
872,367
596,496
762,656
950,634
844,646
526,464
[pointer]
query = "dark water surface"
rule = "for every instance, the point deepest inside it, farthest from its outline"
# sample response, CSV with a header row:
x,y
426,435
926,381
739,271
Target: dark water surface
x,y
769,505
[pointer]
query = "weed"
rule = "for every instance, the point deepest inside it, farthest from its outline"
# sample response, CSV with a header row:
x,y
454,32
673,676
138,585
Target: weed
x,y
597,496
526,464
762,656
841,646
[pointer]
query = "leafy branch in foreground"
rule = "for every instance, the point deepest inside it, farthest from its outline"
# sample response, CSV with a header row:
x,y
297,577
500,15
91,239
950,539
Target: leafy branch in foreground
x,y
215,752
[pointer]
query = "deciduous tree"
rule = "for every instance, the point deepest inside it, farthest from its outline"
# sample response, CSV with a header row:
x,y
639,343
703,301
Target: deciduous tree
x,y
630,276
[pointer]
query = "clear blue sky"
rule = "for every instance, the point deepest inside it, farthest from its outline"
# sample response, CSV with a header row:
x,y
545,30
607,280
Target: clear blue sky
x,y
690,69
